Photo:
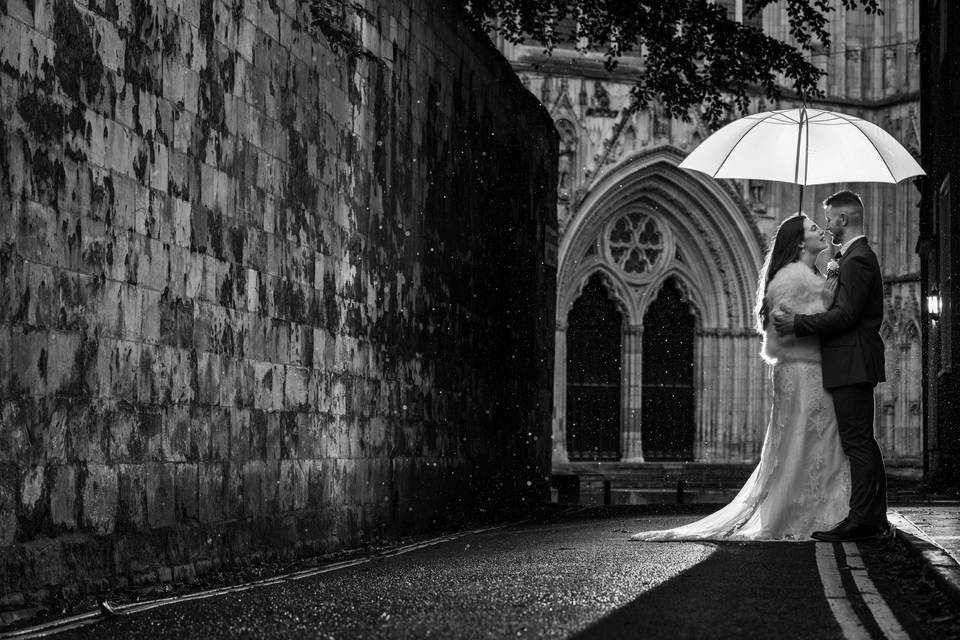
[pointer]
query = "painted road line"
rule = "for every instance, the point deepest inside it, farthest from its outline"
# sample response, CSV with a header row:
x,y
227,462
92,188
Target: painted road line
x,y
878,606
53,627
836,595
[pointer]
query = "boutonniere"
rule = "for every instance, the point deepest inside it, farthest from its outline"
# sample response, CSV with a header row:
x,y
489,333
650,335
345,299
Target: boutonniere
x,y
833,268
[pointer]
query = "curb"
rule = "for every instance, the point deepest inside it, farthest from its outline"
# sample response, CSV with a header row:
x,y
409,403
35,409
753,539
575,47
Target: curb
x,y
938,565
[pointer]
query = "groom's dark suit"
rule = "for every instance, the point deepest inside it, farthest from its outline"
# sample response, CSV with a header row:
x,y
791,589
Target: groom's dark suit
x,y
852,360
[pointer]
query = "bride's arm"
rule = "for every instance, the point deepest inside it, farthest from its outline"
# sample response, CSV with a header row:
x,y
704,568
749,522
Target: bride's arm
x,y
799,290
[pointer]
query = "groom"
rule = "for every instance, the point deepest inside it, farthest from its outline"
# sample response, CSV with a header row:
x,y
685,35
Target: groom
x,y
852,360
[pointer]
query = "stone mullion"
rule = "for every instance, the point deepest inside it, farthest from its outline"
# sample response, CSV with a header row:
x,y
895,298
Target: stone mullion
x,y
706,398
752,415
631,437
699,398
742,398
559,450
725,389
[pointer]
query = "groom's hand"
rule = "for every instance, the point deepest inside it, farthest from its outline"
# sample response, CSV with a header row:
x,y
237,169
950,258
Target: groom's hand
x,y
783,321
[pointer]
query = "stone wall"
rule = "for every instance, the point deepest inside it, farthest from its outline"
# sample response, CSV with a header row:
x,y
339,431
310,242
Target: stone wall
x,y
263,290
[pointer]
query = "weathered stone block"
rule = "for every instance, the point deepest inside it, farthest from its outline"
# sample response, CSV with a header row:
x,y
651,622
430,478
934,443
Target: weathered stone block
x,y
10,36
187,369
28,349
8,506
274,436
132,497
175,421
263,385
293,485
200,428
150,304
186,492
5,353
296,385
258,434
211,487
32,491
270,486
123,368
208,378
253,488
126,442
99,497
220,425
233,491
82,431
160,494
63,495
289,435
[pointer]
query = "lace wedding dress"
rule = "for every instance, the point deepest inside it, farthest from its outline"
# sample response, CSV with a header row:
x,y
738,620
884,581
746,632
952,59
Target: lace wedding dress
x,y
802,482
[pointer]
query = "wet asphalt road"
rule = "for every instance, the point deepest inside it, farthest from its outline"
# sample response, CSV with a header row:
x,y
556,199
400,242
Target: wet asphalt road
x,y
580,579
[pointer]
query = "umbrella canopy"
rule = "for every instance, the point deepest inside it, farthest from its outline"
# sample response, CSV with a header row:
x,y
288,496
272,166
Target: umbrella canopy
x,y
803,146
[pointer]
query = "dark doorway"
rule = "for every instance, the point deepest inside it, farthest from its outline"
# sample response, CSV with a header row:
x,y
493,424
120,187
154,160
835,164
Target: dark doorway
x,y
668,393
594,334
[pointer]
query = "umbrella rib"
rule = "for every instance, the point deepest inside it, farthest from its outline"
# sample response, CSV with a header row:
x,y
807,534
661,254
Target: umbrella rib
x,y
733,147
864,134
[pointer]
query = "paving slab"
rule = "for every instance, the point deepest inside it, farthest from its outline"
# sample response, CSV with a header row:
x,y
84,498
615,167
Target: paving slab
x,y
932,532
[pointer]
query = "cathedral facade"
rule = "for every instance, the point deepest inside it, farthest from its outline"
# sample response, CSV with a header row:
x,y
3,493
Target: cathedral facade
x,y
657,352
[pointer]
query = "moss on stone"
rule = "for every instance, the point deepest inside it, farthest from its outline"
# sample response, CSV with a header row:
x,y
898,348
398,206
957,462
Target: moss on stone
x,y
140,34
76,62
49,176
44,118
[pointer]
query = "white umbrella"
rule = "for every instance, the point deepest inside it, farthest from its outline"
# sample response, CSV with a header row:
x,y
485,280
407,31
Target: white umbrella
x,y
803,146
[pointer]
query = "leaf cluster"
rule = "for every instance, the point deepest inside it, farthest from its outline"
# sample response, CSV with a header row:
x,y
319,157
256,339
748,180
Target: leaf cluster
x,y
693,55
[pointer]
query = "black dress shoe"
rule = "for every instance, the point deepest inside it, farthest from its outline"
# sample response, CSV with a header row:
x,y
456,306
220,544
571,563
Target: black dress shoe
x,y
847,531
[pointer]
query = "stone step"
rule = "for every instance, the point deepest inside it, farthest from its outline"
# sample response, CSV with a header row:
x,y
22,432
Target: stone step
x,y
670,484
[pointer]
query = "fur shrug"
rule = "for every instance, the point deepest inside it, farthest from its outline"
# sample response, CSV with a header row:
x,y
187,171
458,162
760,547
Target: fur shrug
x,y
801,290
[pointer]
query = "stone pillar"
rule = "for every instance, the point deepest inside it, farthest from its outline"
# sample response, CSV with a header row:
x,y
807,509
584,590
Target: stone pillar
x,y
559,454
854,79
733,396
705,444
631,439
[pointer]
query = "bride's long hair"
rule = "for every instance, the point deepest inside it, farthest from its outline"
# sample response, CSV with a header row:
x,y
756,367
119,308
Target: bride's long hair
x,y
786,248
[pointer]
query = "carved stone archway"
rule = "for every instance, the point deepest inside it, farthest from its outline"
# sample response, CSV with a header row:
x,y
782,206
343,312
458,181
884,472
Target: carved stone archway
x,y
704,237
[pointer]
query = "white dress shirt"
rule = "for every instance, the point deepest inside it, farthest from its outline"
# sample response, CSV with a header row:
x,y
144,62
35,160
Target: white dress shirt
x,y
846,245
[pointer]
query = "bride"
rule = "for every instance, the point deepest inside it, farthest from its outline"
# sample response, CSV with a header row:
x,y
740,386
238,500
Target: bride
x,y
802,482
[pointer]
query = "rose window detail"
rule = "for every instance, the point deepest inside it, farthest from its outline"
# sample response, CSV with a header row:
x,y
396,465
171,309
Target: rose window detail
x,y
636,243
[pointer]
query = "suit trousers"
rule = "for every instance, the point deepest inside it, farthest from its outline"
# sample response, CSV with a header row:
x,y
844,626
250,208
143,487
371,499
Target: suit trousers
x,y
868,479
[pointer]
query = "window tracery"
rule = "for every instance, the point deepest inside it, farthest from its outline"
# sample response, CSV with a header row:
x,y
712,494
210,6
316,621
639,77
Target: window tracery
x,y
636,243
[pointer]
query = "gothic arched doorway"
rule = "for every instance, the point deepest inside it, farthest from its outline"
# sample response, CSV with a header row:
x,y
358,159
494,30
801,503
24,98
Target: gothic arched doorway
x,y
668,393
594,334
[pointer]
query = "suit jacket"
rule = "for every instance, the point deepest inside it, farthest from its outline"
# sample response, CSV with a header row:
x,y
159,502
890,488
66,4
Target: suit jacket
x,y
850,345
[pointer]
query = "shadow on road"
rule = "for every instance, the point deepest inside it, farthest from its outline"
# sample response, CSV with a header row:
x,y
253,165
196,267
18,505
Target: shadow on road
x,y
758,590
